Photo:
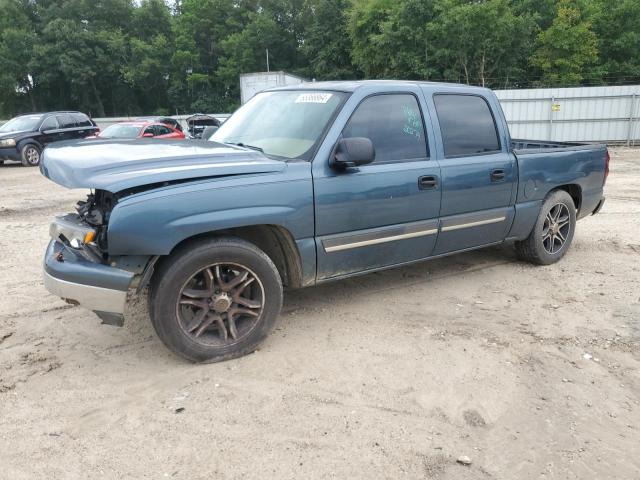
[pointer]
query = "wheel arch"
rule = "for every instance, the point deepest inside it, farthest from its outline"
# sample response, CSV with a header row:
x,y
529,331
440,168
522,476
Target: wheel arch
x,y
29,141
274,240
575,192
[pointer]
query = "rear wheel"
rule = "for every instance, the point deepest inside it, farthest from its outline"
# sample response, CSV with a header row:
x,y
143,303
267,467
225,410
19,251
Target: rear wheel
x,y
30,155
553,232
215,300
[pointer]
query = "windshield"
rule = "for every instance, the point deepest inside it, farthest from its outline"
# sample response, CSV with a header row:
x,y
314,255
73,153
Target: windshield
x,y
120,131
25,123
285,124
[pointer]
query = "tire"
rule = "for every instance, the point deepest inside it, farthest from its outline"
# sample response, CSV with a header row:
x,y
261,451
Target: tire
x,y
30,155
191,300
543,246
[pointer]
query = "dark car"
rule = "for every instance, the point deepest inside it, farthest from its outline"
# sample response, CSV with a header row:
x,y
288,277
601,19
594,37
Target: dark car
x,y
198,122
172,122
23,138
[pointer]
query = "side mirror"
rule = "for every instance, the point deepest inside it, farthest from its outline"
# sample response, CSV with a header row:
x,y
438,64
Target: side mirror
x,y
352,152
147,135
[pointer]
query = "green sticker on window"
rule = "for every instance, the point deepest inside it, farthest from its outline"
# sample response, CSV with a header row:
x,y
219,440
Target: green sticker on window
x,y
412,125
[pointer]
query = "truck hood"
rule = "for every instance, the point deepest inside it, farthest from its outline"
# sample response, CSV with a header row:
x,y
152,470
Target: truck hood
x,y
116,165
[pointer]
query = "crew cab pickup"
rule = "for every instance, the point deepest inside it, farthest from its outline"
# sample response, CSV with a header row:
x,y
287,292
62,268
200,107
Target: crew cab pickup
x,y
303,185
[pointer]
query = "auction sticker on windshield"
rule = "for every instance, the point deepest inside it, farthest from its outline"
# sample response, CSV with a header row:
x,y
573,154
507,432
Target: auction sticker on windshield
x,y
313,97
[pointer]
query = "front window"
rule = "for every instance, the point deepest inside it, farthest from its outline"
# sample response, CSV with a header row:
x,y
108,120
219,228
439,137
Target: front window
x,y
285,124
25,123
120,131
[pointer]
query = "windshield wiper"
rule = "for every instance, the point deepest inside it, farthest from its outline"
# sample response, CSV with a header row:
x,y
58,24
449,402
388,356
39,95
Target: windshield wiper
x,y
244,145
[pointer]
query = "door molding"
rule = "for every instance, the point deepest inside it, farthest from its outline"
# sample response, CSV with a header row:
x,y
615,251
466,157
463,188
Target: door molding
x,y
375,236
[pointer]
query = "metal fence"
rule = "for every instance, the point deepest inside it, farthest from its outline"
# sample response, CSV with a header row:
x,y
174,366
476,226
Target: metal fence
x,y
589,114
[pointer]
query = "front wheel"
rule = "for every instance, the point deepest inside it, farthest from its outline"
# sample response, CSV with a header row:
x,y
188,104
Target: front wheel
x,y
215,300
553,232
30,155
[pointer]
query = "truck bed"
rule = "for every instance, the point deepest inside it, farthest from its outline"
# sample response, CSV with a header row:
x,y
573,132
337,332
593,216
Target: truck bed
x,y
520,146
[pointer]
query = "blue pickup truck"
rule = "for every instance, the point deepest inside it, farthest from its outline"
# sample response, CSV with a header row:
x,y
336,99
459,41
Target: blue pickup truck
x,y
303,185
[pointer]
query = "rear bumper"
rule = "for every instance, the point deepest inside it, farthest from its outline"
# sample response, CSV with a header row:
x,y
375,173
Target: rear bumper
x,y
76,278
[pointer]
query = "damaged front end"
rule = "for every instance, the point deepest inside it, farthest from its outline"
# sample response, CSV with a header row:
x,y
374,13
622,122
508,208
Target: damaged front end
x,y
77,265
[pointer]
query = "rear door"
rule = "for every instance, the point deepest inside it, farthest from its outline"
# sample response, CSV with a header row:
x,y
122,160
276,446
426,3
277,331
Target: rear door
x,y
67,126
84,126
478,173
384,213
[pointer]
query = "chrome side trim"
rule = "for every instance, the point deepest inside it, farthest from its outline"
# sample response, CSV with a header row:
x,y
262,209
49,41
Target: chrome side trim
x,y
376,241
474,224
93,298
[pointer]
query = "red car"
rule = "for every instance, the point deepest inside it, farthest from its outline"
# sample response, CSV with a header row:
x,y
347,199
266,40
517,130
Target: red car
x,y
140,130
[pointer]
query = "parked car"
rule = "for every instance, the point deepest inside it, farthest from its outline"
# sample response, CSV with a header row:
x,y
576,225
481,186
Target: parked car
x,y
124,130
198,122
303,185
172,122
23,138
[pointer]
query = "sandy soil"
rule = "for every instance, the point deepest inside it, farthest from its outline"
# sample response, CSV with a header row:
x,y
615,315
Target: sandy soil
x,y
531,372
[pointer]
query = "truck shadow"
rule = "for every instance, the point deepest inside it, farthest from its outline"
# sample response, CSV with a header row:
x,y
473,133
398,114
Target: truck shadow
x,y
335,295
336,292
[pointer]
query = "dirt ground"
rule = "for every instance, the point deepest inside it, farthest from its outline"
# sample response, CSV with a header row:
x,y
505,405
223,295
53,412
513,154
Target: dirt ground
x,y
531,372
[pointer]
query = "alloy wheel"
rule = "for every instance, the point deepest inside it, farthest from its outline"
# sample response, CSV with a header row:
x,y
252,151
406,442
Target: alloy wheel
x,y
220,304
32,155
556,228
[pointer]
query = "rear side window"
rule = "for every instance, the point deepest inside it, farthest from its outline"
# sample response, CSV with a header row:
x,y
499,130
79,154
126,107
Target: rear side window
x,y
467,125
82,120
50,123
393,123
66,121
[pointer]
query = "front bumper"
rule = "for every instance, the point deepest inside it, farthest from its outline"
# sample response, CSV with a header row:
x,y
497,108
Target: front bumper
x,y
78,279
9,153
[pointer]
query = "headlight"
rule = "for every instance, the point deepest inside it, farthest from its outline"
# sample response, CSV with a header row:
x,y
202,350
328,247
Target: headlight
x,y
8,142
72,229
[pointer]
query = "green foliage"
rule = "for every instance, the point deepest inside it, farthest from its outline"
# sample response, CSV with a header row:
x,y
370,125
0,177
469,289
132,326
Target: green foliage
x,y
390,38
119,57
481,42
567,48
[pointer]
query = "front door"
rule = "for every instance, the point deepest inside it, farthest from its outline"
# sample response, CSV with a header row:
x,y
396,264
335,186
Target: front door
x,y
478,174
49,131
384,213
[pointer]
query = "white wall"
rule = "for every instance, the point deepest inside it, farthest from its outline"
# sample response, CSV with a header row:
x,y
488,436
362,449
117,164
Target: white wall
x,y
587,114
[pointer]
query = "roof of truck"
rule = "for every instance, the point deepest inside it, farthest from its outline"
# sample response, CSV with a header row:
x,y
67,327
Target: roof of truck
x,y
353,85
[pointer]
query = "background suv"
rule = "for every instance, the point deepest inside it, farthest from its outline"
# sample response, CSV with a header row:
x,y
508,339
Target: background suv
x,y
23,138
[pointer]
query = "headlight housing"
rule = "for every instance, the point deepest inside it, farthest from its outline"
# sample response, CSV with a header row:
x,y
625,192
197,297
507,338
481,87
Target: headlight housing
x,y
72,231
8,142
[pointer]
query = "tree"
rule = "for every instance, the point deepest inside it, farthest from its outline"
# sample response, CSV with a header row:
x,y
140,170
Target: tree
x,y
17,40
326,45
567,48
617,26
480,42
390,38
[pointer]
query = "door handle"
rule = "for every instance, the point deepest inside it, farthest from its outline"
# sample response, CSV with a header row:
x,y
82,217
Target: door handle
x,y
428,182
497,175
